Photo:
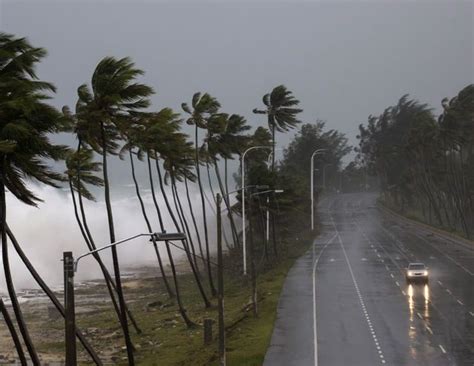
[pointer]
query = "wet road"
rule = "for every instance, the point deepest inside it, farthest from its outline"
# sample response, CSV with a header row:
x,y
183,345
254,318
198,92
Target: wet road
x,y
353,280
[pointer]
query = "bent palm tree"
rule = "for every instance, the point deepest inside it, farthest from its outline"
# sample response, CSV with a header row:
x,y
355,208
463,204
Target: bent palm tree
x,y
202,107
225,138
281,111
114,94
25,124
163,137
135,137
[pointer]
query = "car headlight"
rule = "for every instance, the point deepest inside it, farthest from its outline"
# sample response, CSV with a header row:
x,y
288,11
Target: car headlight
x,y
410,273
425,273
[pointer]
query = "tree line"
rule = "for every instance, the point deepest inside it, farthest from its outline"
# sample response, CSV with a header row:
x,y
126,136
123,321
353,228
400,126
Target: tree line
x,y
113,118
424,162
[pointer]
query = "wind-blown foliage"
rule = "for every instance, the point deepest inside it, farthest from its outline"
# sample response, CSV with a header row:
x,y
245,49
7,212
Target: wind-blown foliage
x,y
425,163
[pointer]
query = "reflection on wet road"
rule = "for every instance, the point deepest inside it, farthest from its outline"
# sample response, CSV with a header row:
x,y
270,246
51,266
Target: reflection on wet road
x,y
414,324
347,301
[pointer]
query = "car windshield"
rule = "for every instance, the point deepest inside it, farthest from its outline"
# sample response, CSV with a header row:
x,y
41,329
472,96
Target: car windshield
x,y
416,266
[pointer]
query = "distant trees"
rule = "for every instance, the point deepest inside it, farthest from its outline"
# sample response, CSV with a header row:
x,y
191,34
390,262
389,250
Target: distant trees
x,y
425,163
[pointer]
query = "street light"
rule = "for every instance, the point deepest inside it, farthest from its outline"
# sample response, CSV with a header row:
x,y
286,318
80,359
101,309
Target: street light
x,y
253,274
316,152
244,236
70,268
268,214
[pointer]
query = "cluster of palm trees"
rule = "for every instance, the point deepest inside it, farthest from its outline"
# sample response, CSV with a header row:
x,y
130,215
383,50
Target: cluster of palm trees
x,y
112,118
423,162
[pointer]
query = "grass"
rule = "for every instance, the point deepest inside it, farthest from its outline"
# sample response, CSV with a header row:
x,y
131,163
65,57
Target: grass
x,y
165,340
416,214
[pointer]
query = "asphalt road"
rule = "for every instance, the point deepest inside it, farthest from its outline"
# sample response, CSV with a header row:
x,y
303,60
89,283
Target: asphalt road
x,y
346,301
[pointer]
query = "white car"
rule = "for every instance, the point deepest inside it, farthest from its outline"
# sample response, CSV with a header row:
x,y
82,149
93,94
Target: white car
x,y
417,272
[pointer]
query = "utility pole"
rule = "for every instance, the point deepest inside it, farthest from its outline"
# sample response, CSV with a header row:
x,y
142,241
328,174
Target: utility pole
x,y
220,284
70,316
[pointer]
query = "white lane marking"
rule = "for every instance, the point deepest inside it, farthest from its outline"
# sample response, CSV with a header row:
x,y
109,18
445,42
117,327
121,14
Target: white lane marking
x,y
315,332
449,291
440,283
429,329
459,302
404,293
391,275
361,300
398,284
471,313
419,315
442,348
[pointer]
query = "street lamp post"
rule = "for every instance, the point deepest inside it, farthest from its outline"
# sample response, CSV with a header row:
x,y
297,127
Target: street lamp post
x,y
244,236
253,269
268,199
316,152
70,268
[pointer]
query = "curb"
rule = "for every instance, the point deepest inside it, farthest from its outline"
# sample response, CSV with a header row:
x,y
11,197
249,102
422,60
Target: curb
x,y
469,244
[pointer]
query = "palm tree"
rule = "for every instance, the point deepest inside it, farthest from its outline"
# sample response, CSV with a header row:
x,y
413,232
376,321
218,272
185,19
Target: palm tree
x,y
202,107
135,138
281,111
114,93
177,163
162,137
26,122
81,170
225,138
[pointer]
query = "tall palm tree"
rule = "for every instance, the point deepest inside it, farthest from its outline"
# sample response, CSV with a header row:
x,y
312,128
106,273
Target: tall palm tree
x,y
225,136
281,111
161,138
202,106
135,138
114,93
26,121
80,171
177,163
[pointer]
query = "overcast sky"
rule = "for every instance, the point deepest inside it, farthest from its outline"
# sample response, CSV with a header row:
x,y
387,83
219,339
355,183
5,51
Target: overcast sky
x,y
343,60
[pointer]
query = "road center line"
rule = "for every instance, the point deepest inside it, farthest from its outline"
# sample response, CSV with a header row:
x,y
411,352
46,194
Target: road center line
x,y
315,263
361,300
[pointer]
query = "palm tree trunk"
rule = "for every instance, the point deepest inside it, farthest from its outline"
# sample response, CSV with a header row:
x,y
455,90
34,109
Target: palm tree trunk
x,y
9,280
203,204
198,236
150,229
196,277
225,177
86,234
111,287
50,294
214,202
181,308
165,196
210,183
184,222
233,227
118,280
188,252
152,187
88,238
13,333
